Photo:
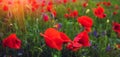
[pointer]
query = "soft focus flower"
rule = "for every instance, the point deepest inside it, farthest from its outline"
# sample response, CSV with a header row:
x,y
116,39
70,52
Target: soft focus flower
x,y
58,26
114,13
108,48
108,21
81,40
43,4
49,8
99,3
96,34
12,42
74,0
86,22
45,17
35,6
73,14
116,27
55,39
66,15
99,12
107,3
74,46
85,4
65,1
50,3
5,8
87,11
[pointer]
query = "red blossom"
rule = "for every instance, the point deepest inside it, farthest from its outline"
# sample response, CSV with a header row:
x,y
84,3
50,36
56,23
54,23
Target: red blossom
x,y
43,4
73,14
85,4
35,6
114,13
74,46
74,0
5,8
107,3
86,22
99,12
55,39
81,40
66,15
49,8
45,17
99,3
50,3
65,1
12,42
64,37
116,27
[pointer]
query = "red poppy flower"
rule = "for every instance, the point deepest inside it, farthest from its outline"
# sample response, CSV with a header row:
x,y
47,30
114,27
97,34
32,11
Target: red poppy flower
x,y
45,17
81,40
55,39
65,1
5,8
116,27
64,37
66,15
12,42
74,0
99,12
85,4
49,8
74,46
34,5
86,22
114,13
107,3
99,3
75,13
50,3
43,4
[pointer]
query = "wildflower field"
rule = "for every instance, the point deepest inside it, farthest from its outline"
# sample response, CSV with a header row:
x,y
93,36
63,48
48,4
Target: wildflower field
x,y
59,28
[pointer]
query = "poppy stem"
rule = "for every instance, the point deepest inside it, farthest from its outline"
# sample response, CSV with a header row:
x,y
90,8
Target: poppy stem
x,y
43,35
